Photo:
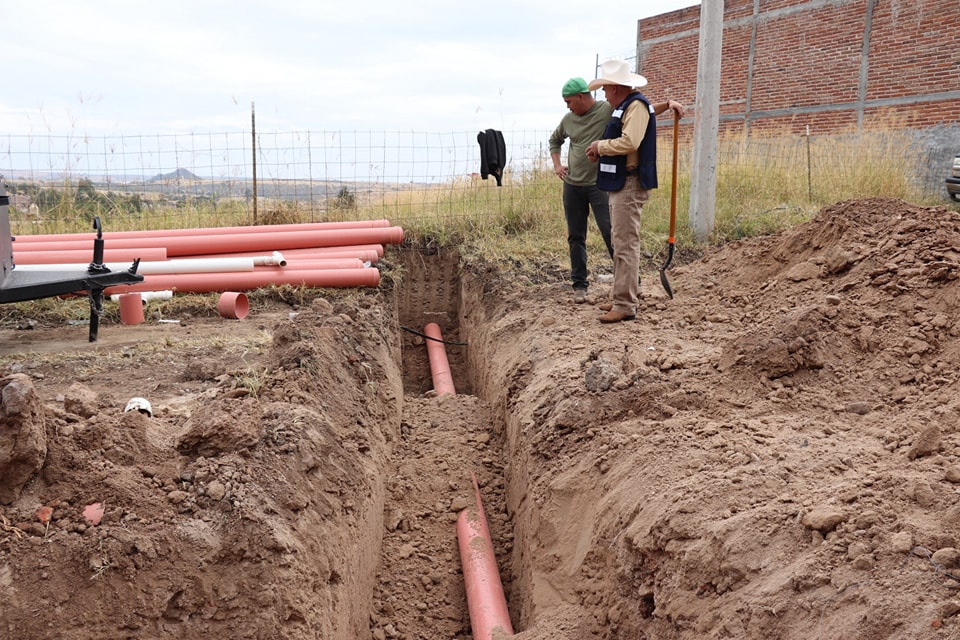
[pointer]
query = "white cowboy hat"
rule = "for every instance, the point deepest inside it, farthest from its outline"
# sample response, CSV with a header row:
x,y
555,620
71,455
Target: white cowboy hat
x,y
617,72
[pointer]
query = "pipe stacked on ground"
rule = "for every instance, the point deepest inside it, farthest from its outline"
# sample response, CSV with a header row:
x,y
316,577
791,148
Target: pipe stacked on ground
x,y
200,260
202,231
214,242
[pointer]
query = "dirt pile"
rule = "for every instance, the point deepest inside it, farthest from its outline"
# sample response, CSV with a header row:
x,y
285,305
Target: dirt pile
x,y
227,511
774,453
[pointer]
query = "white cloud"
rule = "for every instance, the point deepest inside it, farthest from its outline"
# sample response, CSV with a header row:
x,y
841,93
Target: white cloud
x,y
429,65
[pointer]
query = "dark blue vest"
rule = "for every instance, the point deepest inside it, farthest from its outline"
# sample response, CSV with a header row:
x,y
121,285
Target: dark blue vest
x,y
612,172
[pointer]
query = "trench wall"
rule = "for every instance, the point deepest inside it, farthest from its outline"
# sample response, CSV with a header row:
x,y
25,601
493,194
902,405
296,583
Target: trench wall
x,y
430,293
832,65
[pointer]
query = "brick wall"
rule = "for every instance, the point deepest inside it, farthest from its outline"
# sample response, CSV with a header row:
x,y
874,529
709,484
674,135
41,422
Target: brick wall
x,y
832,65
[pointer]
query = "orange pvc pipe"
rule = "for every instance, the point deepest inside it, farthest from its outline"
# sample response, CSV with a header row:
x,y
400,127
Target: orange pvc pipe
x,y
131,308
300,264
485,599
203,231
340,250
439,365
77,256
247,280
264,242
233,305
376,248
371,253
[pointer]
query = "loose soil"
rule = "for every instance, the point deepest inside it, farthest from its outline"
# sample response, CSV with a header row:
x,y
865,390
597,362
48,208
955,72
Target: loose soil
x,y
774,453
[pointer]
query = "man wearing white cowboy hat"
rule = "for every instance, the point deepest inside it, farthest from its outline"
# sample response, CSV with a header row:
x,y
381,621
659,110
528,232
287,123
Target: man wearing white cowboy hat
x,y
627,157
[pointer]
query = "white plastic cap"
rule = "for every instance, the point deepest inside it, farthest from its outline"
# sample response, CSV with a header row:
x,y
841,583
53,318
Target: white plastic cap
x,y
139,404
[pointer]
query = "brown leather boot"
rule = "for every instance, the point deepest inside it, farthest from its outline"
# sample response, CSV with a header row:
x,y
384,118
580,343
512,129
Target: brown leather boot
x,y
615,316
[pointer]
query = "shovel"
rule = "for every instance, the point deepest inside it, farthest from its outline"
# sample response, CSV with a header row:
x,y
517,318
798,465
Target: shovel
x,y
673,209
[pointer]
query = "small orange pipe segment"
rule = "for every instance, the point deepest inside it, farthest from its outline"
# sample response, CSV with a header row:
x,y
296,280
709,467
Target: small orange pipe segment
x,y
233,305
439,365
485,599
131,308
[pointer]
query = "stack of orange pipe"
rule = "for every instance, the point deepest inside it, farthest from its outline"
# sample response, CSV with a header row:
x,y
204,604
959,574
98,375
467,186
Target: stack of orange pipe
x,y
322,254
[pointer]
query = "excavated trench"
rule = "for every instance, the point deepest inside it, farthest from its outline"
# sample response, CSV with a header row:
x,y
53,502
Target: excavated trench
x,y
445,441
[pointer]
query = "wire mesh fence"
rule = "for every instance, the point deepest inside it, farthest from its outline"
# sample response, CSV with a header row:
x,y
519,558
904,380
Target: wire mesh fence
x,y
359,171
193,179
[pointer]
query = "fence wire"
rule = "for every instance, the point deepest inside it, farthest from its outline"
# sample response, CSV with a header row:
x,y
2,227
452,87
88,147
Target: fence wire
x,y
378,173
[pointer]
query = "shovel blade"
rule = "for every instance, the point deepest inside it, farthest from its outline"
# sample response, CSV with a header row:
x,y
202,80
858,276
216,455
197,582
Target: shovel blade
x,y
663,272
666,283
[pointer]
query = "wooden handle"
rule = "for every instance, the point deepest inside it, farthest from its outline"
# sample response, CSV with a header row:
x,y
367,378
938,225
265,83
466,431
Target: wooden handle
x,y
673,182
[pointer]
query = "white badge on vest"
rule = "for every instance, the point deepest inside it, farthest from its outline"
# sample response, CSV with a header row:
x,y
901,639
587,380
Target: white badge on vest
x,y
617,113
608,168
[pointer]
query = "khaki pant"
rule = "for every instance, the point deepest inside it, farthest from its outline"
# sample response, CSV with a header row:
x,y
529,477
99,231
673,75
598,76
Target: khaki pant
x,y
626,207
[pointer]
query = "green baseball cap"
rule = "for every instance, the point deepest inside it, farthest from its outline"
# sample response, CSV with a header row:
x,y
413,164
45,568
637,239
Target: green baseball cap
x,y
574,86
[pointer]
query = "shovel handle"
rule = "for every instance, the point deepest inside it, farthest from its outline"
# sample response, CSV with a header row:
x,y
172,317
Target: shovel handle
x,y
673,209
673,181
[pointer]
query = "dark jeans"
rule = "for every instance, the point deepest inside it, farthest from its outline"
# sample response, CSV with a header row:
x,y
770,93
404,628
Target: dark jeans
x,y
577,202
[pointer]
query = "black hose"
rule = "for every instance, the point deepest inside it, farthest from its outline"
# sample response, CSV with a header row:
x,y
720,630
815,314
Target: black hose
x,y
423,335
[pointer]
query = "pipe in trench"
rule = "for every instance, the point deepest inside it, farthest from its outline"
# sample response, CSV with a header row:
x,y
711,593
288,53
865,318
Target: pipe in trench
x,y
439,365
245,281
219,244
485,599
202,231
84,256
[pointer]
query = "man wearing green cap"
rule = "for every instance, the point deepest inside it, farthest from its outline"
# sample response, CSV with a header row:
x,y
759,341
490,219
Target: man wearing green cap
x,y
583,124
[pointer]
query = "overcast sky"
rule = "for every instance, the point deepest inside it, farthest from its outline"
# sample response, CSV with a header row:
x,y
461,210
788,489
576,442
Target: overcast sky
x,y
115,67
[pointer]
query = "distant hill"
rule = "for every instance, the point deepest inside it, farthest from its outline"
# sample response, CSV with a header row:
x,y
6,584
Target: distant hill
x,y
179,174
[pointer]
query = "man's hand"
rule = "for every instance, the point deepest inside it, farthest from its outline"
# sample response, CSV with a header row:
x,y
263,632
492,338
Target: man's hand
x,y
593,151
669,105
561,171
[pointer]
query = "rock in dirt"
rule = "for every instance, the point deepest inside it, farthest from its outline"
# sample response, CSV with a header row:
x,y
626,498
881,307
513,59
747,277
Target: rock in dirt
x,y
901,542
823,519
780,349
80,400
859,407
927,442
601,375
225,426
948,558
803,271
23,440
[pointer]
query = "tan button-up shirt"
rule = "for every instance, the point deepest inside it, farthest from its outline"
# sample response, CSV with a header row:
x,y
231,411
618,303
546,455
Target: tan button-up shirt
x,y
633,127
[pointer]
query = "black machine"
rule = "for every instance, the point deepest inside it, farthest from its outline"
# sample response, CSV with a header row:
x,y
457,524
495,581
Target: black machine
x,y
18,286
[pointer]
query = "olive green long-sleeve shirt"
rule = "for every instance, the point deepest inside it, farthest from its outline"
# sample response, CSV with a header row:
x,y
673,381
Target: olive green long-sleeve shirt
x,y
581,130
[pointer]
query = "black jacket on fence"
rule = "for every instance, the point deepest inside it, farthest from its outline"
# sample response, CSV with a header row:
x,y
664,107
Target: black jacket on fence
x,y
493,154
